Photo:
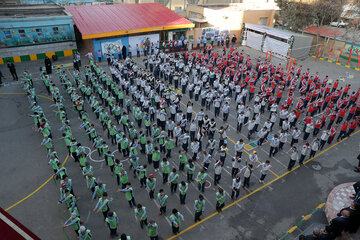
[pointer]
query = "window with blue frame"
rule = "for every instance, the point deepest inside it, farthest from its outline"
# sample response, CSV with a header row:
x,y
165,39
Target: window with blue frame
x,y
39,32
56,30
22,33
8,35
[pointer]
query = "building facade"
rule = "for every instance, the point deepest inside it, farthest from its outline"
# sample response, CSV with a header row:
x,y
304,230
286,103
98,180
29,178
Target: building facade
x,y
229,17
31,32
107,29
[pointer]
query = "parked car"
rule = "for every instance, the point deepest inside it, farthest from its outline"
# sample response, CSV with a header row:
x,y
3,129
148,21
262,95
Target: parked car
x,y
340,23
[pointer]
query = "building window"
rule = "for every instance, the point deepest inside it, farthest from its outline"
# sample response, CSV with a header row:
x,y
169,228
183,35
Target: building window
x,y
193,15
39,32
178,8
56,30
7,35
263,21
22,33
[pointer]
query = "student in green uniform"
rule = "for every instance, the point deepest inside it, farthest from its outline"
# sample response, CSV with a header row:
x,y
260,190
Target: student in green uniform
x,y
73,148
134,164
47,142
128,190
183,160
124,179
190,170
100,189
152,230
156,158
98,142
165,168
151,185
199,207
82,160
74,222
220,199
140,214
109,157
103,205
84,234
68,183
104,149
201,179
175,218
124,144
88,169
147,122
183,187
53,162
142,175
111,222
169,144
68,198
173,180
67,140
142,137
90,182
162,200
61,171
117,169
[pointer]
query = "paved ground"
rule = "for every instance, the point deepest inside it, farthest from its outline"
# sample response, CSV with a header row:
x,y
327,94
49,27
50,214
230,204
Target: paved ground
x,y
265,212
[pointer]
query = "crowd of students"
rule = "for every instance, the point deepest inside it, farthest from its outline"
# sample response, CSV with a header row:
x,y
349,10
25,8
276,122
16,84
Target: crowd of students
x,y
141,109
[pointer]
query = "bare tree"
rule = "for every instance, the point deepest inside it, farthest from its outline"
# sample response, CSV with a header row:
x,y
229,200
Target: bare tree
x,y
295,15
324,12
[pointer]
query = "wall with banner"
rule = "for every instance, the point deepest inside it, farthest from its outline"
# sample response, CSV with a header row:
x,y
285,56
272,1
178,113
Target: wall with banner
x,y
112,46
254,40
140,40
208,33
271,44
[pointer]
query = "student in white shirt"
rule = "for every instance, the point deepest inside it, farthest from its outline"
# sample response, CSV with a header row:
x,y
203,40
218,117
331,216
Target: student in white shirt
x,y
264,169
236,184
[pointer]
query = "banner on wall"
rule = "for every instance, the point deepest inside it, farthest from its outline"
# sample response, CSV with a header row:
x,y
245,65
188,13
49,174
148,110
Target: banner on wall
x,y
141,40
112,46
356,48
275,45
208,33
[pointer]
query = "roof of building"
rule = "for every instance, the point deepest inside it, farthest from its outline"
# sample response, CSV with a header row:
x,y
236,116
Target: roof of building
x,y
121,19
33,10
323,31
270,30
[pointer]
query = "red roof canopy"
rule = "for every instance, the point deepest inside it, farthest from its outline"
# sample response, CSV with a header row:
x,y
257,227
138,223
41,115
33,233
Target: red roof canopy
x,y
325,32
98,21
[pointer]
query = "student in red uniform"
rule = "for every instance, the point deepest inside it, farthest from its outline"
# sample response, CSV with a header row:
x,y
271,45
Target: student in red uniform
x,y
333,132
343,131
317,127
335,86
351,113
353,125
341,114
333,115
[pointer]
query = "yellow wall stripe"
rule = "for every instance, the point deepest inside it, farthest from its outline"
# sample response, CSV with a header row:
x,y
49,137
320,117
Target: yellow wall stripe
x,y
17,59
33,57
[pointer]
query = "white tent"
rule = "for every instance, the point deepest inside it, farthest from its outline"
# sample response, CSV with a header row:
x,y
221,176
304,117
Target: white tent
x,y
264,38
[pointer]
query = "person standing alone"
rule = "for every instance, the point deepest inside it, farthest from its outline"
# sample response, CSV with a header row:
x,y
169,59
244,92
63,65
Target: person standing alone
x,y
12,69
